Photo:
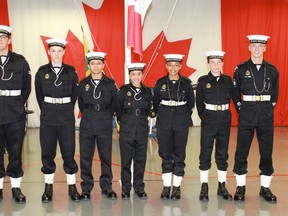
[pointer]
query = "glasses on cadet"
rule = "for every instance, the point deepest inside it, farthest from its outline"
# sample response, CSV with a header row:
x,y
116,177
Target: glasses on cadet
x,y
3,37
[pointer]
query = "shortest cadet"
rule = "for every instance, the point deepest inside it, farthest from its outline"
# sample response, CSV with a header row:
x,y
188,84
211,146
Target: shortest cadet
x,y
213,95
173,103
134,104
56,86
96,100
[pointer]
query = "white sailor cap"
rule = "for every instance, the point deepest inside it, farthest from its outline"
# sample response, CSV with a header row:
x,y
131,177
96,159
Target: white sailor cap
x,y
258,38
136,66
174,57
95,56
56,42
5,30
215,54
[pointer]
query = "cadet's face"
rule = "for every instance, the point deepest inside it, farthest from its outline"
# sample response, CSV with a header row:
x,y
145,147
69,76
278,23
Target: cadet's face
x,y
136,77
96,66
173,68
5,40
56,53
257,49
215,65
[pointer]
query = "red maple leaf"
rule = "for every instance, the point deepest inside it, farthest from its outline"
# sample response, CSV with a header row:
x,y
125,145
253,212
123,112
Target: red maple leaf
x,y
155,61
74,53
107,28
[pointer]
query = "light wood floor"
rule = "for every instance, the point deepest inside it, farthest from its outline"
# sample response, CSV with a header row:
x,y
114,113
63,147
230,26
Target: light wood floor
x,y
33,186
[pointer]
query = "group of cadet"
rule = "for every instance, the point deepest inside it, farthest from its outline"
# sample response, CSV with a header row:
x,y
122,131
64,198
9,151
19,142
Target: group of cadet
x,y
254,91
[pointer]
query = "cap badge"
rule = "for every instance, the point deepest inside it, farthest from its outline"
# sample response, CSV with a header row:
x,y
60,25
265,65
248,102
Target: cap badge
x,y
208,85
87,86
47,76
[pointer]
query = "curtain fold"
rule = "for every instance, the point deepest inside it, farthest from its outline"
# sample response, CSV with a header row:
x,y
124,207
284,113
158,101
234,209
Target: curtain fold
x,y
240,18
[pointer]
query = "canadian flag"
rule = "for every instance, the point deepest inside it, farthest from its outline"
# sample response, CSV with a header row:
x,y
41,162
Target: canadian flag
x,y
136,13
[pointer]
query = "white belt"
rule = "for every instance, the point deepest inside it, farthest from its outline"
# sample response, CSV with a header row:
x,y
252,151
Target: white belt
x,y
256,97
173,103
216,107
10,92
57,100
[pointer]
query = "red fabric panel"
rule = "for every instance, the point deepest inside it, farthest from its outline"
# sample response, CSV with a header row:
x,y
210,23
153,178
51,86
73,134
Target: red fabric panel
x,y
107,27
269,17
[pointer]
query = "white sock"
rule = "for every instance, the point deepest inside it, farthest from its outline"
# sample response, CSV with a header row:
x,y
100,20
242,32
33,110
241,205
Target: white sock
x,y
1,182
71,179
204,176
265,181
15,182
167,178
177,180
240,180
49,178
222,176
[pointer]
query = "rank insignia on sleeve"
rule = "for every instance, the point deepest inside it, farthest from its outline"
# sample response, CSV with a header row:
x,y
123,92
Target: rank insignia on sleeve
x,y
47,76
208,85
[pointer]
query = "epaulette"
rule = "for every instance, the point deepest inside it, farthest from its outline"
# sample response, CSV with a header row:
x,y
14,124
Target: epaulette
x,y
242,63
18,55
69,67
202,77
270,64
43,66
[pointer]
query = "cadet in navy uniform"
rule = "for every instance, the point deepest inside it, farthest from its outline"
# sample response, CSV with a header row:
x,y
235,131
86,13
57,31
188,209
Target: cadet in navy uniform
x,y
15,87
96,100
56,87
173,103
257,81
213,95
134,103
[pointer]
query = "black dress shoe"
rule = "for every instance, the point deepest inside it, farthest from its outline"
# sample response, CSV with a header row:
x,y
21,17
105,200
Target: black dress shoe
x,y
165,193
222,191
204,192
176,193
110,193
125,195
240,193
1,194
85,195
48,193
18,195
267,194
73,193
142,195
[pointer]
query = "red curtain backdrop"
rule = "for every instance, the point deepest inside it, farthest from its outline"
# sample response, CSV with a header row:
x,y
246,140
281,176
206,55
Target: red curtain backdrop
x,y
107,28
269,17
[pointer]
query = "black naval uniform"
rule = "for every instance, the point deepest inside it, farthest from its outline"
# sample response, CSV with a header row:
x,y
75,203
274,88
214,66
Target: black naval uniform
x,y
97,103
214,93
133,107
15,87
255,112
173,121
57,121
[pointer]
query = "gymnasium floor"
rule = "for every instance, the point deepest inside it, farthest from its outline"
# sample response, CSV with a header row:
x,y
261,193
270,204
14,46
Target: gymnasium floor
x,y
33,186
